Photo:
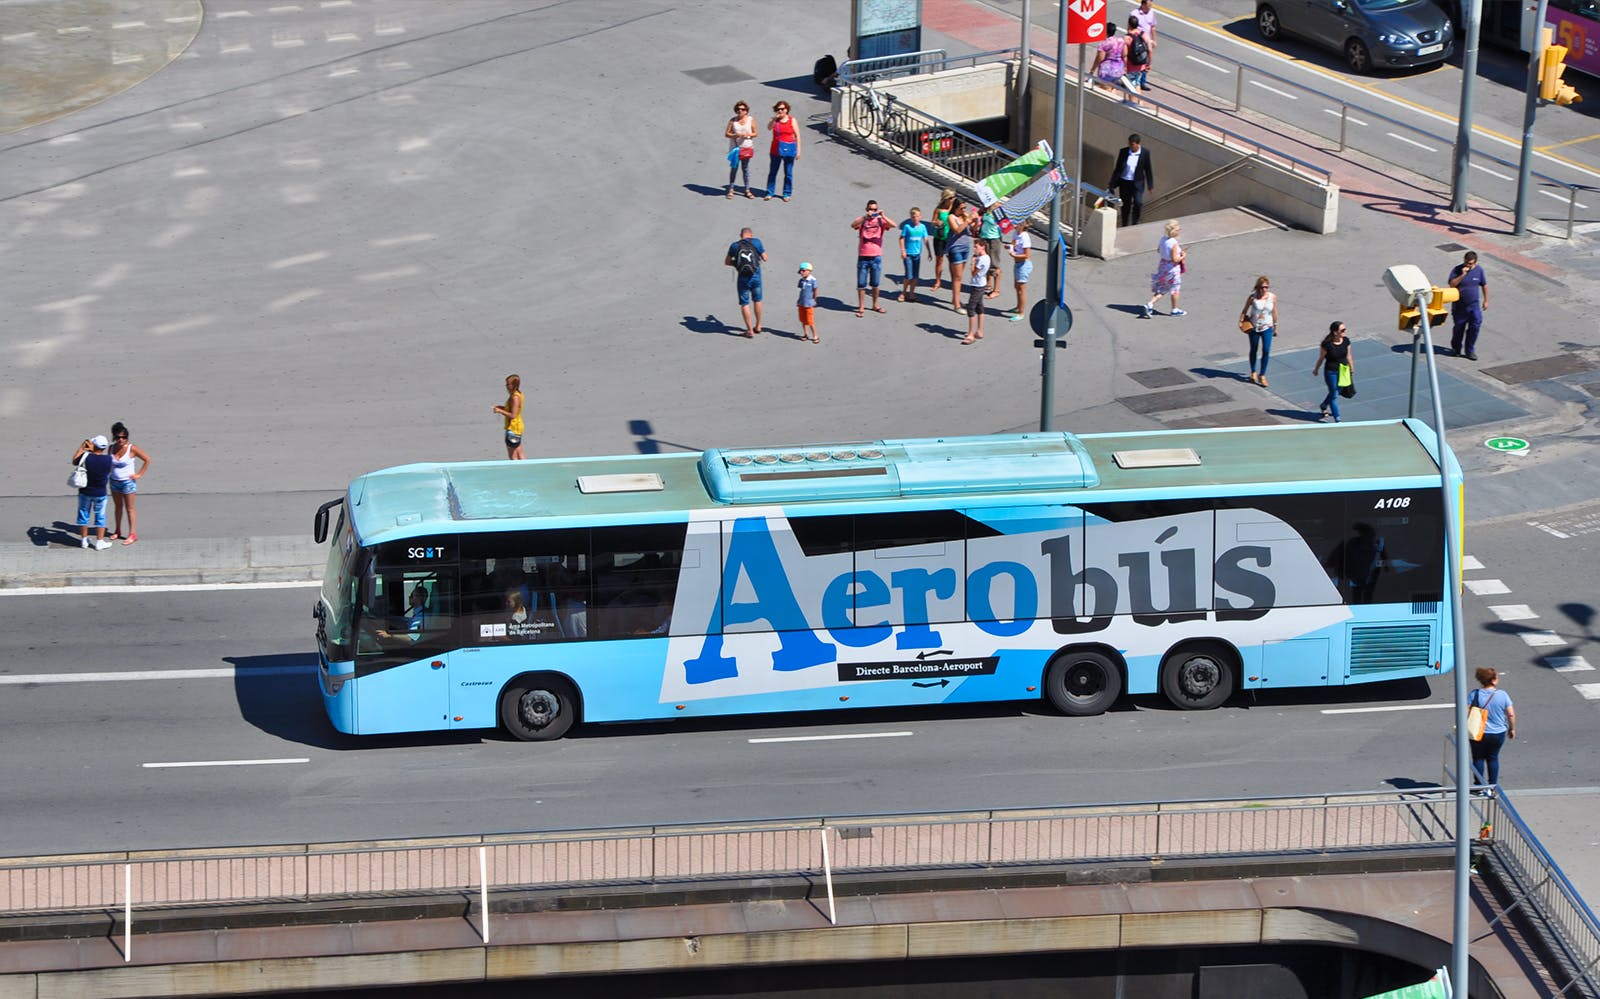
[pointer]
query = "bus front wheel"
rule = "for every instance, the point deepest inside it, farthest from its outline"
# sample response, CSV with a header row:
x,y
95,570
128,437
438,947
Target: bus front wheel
x,y
1197,678
1082,682
539,708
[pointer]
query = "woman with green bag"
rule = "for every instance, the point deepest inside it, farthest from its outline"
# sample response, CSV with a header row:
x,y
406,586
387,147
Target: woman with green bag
x,y
1337,364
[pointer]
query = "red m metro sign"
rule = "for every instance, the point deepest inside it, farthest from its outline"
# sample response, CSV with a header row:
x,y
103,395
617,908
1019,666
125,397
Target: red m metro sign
x,y
1086,21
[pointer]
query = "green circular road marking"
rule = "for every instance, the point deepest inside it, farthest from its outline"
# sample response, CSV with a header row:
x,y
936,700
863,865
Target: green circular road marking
x,y
1511,445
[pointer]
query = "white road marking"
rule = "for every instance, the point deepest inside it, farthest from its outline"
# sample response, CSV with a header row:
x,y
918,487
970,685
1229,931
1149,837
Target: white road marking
x,y
1208,65
1392,707
1346,116
342,71
1486,587
1470,562
1492,173
224,763
1273,90
1513,612
1561,198
124,25
831,738
210,673
1548,530
239,13
80,29
19,36
78,591
343,36
186,19
1567,664
1411,142
1541,639
304,258
1590,691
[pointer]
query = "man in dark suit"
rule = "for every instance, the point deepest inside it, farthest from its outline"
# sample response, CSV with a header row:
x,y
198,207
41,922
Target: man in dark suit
x,y
1131,178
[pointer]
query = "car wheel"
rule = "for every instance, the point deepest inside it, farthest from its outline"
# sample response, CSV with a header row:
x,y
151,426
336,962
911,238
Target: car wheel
x,y
1267,23
1356,56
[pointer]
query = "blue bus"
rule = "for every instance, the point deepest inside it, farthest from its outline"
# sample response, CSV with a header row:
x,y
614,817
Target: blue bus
x,y
534,595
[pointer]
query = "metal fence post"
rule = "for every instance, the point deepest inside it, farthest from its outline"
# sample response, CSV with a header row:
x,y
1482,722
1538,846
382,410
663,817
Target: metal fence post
x,y
127,913
1238,89
827,876
1344,120
1572,206
483,885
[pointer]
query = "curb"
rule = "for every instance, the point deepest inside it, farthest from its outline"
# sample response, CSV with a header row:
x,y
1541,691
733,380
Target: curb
x,y
198,561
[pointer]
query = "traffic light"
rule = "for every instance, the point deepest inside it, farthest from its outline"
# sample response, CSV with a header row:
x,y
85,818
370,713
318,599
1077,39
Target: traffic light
x,y
1552,63
1438,308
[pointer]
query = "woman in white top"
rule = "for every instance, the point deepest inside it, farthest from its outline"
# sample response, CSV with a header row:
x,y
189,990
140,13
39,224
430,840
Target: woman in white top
x,y
124,481
1168,278
1259,319
741,134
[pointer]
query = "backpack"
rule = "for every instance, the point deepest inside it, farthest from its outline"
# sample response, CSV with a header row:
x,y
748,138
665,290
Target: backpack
x,y
1138,51
746,259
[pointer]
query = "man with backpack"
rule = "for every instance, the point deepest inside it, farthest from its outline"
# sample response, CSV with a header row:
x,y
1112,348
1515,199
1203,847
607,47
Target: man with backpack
x,y
745,257
1146,16
1138,59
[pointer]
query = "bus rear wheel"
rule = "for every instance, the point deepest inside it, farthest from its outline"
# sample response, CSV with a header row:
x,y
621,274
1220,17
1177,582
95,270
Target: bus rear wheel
x,y
1197,678
1082,682
539,708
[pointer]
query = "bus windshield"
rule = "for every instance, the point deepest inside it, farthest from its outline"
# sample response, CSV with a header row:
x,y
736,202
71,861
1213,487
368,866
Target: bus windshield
x,y
338,594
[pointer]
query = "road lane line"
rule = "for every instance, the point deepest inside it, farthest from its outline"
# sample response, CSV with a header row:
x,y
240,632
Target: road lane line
x,y
1513,612
1492,173
1548,529
1207,64
212,673
1274,90
1590,691
1568,664
1470,562
224,763
831,738
70,591
1540,639
1487,587
1561,198
1338,114
1391,707
1411,142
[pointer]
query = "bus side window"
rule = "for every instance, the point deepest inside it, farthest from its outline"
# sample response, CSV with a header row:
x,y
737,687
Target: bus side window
x,y
635,579
525,586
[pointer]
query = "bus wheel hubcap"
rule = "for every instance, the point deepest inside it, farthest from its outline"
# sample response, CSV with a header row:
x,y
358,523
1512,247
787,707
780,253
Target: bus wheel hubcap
x,y
1200,677
1084,681
540,708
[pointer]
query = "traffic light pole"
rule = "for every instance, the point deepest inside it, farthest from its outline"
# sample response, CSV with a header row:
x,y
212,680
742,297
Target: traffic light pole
x,y
1529,106
1047,364
1471,13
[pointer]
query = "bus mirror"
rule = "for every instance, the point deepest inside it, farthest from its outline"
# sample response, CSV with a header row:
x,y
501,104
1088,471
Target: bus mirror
x,y
319,523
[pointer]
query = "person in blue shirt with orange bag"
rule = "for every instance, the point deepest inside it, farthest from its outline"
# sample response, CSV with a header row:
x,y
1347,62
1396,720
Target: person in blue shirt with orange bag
x,y
1500,725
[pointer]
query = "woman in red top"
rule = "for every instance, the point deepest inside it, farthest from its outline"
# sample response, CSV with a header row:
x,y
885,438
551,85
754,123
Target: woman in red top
x,y
785,148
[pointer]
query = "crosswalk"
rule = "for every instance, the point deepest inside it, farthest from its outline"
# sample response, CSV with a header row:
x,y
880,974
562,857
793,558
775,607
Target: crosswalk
x,y
1575,667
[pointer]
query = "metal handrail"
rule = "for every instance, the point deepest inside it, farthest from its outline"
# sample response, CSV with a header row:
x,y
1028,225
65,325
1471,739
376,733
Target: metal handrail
x,y
1196,184
888,67
1344,111
1190,123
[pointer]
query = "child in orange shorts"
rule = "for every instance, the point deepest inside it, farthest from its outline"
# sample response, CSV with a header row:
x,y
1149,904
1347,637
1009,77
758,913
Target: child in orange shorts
x,y
808,304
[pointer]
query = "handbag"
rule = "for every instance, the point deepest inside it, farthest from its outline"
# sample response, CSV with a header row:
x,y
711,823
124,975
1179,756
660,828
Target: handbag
x,y
1246,326
80,475
788,150
747,152
1477,718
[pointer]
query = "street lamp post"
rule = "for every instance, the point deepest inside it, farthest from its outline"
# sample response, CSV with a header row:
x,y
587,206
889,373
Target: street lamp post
x,y
1409,285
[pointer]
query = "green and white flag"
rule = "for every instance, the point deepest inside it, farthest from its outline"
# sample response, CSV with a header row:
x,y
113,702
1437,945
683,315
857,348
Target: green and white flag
x,y
1013,175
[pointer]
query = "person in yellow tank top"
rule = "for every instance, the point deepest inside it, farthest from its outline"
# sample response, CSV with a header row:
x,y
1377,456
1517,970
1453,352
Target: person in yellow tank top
x,y
512,411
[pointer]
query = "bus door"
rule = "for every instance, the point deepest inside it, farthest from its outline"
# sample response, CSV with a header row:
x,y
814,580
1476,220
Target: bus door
x,y
406,634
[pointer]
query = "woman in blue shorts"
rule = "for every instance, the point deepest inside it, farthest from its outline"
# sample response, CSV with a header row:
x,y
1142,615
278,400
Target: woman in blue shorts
x,y
124,481
959,248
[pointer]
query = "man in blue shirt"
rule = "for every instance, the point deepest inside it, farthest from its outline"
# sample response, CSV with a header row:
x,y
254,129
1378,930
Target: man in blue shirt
x,y
1467,311
745,257
92,494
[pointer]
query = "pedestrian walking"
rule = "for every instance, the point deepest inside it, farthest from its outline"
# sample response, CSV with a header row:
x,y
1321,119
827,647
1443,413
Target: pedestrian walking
x,y
91,454
1259,320
1467,311
913,243
745,256
785,149
1138,54
1336,364
1168,278
941,232
1146,16
989,234
512,412
1110,67
977,291
1499,725
124,481
1021,269
958,247
741,134
807,304
1132,176
869,255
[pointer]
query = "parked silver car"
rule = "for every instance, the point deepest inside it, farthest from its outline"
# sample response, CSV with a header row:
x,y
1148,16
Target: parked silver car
x,y
1368,33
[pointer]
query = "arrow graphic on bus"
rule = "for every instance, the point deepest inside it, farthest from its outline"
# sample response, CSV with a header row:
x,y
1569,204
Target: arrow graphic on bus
x,y
935,652
938,683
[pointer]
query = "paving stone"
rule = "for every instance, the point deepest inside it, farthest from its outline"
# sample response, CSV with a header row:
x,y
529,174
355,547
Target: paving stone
x,y
1155,378
1539,369
1231,418
1187,398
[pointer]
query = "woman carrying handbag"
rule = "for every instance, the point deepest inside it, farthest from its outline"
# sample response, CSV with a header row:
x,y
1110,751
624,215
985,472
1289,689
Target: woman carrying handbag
x,y
1499,720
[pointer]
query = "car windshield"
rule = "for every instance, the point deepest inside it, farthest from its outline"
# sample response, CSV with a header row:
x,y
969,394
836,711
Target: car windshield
x,y
338,593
